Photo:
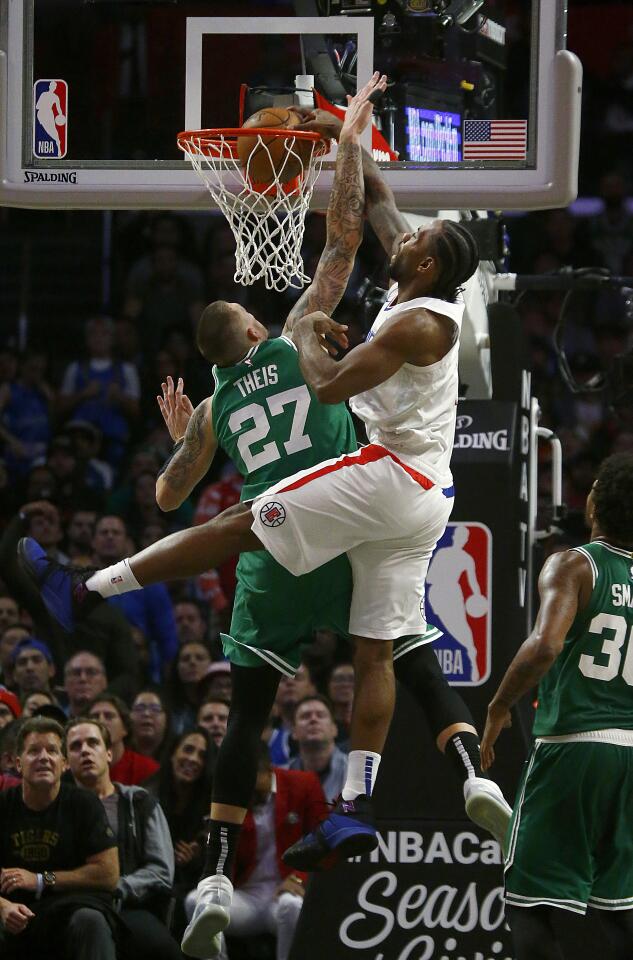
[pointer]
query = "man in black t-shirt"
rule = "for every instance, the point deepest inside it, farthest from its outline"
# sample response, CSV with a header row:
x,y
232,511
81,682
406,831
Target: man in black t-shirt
x,y
58,858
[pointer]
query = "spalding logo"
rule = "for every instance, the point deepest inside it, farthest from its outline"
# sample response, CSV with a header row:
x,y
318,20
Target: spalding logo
x,y
272,514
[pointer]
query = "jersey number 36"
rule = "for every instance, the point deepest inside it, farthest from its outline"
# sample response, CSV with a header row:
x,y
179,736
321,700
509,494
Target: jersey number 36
x,y
611,648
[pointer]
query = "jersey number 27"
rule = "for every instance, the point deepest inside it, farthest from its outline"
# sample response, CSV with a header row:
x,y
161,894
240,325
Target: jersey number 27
x,y
297,441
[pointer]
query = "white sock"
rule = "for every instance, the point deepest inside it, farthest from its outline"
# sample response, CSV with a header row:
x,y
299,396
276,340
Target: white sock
x,y
115,579
362,767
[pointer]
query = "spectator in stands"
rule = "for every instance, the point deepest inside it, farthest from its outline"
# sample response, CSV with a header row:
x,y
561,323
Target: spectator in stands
x,y
284,710
104,631
102,390
9,639
150,609
10,708
9,746
269,895
9,613
146,854
71,482
31,702
213,716
79,534
185,690
86,438
42,522
144,509
149,718
58,858
33,667
183,788
314,730
127,766
612,230
340,692
85,678
191,622
218,681
162,290
305,684
25,407
145,460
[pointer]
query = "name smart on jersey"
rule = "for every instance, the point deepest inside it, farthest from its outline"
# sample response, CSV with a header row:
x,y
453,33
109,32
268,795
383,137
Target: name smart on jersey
x,y
256,379
622,594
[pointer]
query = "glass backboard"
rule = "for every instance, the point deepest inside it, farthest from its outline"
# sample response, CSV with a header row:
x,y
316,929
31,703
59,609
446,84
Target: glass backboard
x,y
482,109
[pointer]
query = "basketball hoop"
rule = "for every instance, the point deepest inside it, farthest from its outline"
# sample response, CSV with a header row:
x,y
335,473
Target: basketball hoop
x,y
267,219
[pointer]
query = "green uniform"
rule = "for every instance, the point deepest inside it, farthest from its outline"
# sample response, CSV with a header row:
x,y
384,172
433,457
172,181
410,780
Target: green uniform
x,y
571,838
270,424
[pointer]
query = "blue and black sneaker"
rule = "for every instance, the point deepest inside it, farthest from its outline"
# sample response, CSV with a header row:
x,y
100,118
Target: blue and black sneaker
x,y
347,832
61,586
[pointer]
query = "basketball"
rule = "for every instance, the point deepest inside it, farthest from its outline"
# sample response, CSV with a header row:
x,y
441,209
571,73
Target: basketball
x,y
60,120
269,157
476,605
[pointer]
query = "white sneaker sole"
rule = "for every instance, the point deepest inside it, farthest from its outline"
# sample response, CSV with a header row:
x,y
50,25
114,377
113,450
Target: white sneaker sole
x,y
201,938
491,814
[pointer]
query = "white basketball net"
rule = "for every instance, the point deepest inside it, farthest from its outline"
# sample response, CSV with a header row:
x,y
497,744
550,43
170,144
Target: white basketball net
x,y
268,225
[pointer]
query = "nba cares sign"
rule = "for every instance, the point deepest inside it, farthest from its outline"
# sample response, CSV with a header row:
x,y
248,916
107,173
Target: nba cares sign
x,y
50,119
459,602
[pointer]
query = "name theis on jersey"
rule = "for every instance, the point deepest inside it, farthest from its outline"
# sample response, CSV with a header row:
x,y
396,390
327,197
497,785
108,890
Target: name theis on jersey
x,y
256,379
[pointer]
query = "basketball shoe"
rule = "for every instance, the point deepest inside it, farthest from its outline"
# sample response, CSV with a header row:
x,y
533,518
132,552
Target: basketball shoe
x,y
487,807
348,831
211,916
61,586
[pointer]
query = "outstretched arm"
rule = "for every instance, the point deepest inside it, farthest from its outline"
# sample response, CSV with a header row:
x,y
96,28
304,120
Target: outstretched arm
x,y
380,205
564,588
345,212
190,461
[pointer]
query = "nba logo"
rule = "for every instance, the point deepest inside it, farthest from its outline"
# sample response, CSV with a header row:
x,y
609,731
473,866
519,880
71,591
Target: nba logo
x,y
50,119
458,602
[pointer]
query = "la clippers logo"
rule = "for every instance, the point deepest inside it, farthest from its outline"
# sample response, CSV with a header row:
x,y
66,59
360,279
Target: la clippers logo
x,y
458,602
272,514
50,116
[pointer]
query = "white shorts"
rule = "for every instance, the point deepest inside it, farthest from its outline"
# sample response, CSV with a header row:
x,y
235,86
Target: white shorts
x,y
386,516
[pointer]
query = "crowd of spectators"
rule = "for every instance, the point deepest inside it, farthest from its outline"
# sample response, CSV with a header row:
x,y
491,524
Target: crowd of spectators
x,y
142,680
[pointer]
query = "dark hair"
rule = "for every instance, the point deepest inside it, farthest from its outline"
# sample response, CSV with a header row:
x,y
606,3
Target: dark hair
x,y
457,251
38,725
119,705
315,696
41,692
76,721
613,497
216,336
165,789
210,698
160,695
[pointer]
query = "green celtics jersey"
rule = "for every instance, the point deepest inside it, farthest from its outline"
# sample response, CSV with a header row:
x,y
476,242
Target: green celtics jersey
x,y
270,423
590,686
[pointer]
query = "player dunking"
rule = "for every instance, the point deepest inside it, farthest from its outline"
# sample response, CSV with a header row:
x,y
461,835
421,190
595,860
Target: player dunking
x,y
571,842
232,525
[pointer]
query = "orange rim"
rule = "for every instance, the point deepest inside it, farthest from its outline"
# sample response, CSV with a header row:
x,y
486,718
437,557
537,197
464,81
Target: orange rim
x,y
209,142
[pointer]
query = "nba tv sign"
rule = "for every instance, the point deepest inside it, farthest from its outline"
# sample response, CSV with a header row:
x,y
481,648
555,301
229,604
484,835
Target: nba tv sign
x,y
50,119
459,602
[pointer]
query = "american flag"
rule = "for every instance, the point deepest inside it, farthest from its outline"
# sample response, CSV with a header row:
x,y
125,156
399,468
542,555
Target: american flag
x,y
495,139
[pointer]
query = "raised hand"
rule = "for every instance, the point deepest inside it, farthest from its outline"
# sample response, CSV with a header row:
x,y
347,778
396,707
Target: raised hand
x,y
360,107
176,408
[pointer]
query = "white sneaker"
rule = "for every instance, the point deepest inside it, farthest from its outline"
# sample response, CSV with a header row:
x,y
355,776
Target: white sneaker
x,y
211,916
487,807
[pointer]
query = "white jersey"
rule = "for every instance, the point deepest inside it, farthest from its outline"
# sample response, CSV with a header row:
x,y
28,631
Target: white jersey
x,y
413,412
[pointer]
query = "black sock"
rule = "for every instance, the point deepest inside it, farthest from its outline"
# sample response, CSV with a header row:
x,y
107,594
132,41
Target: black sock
x,y
221,846
462,749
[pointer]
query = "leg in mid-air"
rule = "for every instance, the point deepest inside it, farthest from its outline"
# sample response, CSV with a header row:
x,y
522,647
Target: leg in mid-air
x,y
69,591
254,690
453,729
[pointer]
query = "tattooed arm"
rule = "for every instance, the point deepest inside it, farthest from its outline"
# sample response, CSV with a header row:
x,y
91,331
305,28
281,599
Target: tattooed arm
x,y
345,213
190,461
